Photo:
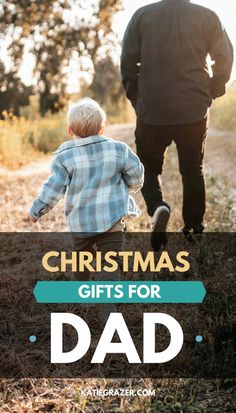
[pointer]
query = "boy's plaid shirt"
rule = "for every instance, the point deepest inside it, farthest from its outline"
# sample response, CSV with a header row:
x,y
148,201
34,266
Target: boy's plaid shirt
x,y
95,173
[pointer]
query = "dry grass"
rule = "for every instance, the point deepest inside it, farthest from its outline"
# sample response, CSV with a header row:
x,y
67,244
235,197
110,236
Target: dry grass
x,y
24,139
64,396
221,187
61,395
223,111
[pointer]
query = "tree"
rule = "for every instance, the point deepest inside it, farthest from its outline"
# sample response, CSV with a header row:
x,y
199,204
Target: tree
x,y
13,92
106,85
56,30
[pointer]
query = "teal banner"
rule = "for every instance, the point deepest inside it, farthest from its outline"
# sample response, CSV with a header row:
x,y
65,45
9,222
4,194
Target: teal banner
x,y
181,292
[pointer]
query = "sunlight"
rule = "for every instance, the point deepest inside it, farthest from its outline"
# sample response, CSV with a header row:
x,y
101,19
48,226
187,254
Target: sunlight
x,y
224,9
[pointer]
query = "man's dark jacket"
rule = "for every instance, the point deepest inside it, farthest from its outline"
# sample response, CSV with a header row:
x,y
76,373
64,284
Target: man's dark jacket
x,y
163,62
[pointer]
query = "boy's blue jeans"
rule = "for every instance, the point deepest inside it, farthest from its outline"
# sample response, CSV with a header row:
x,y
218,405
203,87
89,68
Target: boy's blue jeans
x,y
152,142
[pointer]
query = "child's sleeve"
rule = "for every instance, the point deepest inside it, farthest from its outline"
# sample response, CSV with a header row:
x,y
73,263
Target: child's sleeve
x,y
133,171
52,191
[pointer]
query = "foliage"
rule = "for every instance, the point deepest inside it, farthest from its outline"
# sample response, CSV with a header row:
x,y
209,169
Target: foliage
x,y
107,86
22,139
223,113
13,92
55,32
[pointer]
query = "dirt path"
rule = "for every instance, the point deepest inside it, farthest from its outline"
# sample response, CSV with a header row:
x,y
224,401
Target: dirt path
x,y
19,187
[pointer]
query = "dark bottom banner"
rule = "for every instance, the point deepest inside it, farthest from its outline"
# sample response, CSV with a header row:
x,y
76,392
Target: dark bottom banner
x,y
83,305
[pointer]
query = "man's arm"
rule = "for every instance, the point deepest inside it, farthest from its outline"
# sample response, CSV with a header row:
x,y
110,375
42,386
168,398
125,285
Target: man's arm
x,y
221,51
52,191
133,171
130,57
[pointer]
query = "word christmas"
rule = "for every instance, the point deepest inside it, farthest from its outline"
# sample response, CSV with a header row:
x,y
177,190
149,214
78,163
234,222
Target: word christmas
x,y
128,260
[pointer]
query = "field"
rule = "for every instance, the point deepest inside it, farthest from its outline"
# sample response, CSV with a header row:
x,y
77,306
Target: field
x,y
18,187
219,169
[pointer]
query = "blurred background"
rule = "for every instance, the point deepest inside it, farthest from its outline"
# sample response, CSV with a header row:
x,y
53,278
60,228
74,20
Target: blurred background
x,y
56,51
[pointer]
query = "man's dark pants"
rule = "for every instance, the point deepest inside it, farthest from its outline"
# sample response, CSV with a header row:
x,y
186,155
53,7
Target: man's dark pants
x,y
152,142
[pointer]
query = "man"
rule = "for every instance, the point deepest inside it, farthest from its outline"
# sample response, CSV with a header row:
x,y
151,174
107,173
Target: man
x,y
166,78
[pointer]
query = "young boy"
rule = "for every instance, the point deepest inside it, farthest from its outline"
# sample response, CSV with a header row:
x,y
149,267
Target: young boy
x,y
96,174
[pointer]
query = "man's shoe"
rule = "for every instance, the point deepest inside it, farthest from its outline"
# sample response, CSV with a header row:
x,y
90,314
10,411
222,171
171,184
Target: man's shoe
x,y
187,231
198,229
191,235
159,225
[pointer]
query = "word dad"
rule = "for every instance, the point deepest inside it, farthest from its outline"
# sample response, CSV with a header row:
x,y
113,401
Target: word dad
x,y
115,323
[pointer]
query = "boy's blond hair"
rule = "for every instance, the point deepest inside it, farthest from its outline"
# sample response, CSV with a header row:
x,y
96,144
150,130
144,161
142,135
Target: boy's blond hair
x,y
86,118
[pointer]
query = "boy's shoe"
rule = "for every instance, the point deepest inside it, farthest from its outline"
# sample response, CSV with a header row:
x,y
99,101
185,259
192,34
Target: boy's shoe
x,y
159,225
